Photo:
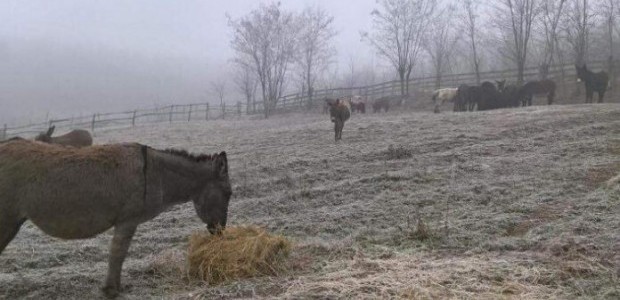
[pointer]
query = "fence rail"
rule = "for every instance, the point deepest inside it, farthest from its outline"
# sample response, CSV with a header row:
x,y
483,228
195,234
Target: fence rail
x,y
287,103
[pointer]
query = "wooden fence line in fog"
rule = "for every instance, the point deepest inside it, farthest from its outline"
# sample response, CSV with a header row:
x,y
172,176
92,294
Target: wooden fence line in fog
x,y
292,102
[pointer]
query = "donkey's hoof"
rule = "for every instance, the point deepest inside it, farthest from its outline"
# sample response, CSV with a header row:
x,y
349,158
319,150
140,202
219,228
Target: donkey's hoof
x,y
110,292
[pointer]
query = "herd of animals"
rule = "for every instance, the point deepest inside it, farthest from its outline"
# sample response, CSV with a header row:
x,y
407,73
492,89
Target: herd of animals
x,y
72,189
465,97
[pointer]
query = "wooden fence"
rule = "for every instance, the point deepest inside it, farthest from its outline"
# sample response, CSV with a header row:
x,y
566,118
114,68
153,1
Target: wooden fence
x,y
288,103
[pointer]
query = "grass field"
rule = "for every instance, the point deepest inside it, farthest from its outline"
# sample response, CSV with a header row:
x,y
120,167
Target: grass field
x,y
485,205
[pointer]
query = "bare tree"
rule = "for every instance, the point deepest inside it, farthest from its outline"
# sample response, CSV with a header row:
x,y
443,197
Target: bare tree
x,y
515,19
219,88
441,43
399,29
471,30
246,83
267,37
577,27
316,51
551,15
610,10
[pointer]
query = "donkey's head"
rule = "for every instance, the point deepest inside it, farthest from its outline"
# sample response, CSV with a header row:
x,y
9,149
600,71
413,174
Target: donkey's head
x,y
46,137
211,203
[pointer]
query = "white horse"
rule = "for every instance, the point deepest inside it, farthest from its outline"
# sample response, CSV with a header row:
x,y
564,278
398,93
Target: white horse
x,y
440,96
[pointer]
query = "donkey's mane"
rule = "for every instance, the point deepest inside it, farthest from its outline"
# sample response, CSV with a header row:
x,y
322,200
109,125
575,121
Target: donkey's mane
x,y
193,157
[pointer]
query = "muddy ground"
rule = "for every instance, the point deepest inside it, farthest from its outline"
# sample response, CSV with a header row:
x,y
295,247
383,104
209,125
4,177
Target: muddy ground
x,y
484,205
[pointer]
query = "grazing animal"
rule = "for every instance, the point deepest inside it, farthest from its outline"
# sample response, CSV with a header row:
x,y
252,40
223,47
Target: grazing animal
x,y
441,96
76,138
358,104
78,193
490,98
545,87
339,112
595,82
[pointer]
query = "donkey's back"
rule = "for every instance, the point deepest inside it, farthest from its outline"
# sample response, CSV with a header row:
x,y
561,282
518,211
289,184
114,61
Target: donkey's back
x,y
75,138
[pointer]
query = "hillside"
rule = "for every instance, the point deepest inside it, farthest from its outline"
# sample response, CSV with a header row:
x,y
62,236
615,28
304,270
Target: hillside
x,y
484,205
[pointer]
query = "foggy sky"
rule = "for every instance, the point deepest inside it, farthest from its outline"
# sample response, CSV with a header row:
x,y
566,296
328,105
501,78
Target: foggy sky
x,y
72,57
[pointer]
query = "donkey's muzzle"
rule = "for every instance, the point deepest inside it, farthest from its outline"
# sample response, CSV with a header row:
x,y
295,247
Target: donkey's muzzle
x,y
215,229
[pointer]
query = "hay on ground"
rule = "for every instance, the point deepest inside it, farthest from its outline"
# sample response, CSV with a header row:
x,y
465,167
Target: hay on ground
x,y
240,252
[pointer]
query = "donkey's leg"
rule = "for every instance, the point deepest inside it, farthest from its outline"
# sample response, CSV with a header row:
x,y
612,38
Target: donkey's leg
x,y
336,130
8,229
118,251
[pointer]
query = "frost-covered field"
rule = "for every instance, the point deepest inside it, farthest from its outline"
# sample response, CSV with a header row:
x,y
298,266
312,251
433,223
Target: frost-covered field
x,y
499,204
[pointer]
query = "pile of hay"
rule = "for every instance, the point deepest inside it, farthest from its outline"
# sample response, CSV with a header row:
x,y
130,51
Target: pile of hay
x,y
240,252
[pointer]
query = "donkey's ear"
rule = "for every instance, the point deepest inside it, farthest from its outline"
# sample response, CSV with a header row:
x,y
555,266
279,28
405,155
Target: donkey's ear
x,y
221,165
50,131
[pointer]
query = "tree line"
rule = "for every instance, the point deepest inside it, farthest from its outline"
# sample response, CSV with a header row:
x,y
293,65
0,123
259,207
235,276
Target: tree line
x,y
275,48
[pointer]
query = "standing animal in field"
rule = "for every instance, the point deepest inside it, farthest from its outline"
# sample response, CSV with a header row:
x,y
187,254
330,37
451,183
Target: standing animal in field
x,y
75,138
489,96
545,87
339,112
509,94
595,82
358,104
78,193
441,96
382,103
467,98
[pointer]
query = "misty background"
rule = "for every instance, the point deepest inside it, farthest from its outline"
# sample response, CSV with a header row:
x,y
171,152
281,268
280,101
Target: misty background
x,y
75,57
71,58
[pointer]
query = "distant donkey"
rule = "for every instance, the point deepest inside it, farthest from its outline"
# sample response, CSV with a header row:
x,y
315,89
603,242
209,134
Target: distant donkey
x,y
77,138
595,82
340,112
78,193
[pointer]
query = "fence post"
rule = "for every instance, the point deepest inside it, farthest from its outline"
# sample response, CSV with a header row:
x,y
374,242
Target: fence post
x,y
223,111
92,124
3,133
239,108
133,119
189,115
207,112
170,114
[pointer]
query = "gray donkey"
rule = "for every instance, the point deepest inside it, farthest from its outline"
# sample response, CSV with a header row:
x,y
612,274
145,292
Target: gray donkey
x,y
76,138
77,193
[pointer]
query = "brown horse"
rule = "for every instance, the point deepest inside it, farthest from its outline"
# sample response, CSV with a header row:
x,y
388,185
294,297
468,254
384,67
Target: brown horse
x,y
76,138
77,193
595,82
545,87
340,112
358,105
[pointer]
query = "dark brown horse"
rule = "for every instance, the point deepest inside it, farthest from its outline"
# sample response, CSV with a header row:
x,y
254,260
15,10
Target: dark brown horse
x,y
509,94
490,97
382,103
595,82
75,138
545,87
340,112
78,193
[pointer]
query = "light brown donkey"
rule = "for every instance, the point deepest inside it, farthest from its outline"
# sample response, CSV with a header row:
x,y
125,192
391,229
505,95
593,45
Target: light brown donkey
x,y
77,193
76,138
